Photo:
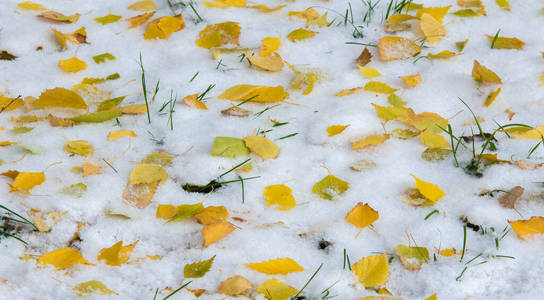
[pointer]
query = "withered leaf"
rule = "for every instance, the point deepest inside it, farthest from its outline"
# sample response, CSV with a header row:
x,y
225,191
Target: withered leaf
x,y
508,200
364,58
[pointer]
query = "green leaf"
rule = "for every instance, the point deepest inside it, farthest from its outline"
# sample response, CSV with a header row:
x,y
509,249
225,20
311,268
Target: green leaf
x,y
21,130
97,117
412,257
102,58
113,76
110,103
466,13
329,187
229,147
396,100
108,19
198,269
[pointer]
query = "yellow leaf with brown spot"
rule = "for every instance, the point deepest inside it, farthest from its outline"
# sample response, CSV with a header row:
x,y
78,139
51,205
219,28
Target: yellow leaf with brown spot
x,y
431,191
348,91
483,74
29,5
80,147
257,93
144,5
336,129
272,63
412,258
134,109
216,231
117,134
438,13
117,254
262,146
442,55
274,289
216,35
371,271
281,195
163,27
395,47
139,19
412,80
276,266
72,65
370,140
62,258
300,34
234,286
89,287
212,214
434,140
362,215
60,97
527,228
192,101
432,29
269,45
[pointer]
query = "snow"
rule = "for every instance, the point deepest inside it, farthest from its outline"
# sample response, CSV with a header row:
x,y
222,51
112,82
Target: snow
x,y
268,233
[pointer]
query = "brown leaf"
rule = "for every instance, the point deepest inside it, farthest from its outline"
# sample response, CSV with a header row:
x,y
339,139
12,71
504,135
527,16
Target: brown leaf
x,y
364,58
236,111
4,55
508,200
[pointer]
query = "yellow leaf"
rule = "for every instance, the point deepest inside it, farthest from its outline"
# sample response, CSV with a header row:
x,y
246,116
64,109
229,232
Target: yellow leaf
x,y
272,63
506,43
79,36
431,191
44,221
300,34
371,271
229,147
107,19
492,97
412,258
29,5
308,14
144,5
348,91
447,252
262,146
266,9
198,269
117,134
279,194
58,17
329,187
276,266
87,288
362,215
73,64
378,87
483,74
371,140
426,121
470,3
193,102
533,134
225,3
274,289
304,78
24,181
212,214
434,140
257,93
9,104
161,158
90,92
399,18
438,13
526,228
180,212
369,72
388,113
163,27
234,286
147,173
117,254
134,109
442,55
433,30
90,169
216,35
139,19
336,129
395,47
269,45
412,80
504,4
80,147
460,45
216,231
62,258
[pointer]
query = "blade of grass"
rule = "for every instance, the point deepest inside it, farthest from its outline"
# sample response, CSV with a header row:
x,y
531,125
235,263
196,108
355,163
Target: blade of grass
x,y
307,282
177,290
144,89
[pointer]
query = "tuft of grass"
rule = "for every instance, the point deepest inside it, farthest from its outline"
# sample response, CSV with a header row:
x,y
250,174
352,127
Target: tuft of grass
x,y
367,18
11,225
144,89
346,260
199,18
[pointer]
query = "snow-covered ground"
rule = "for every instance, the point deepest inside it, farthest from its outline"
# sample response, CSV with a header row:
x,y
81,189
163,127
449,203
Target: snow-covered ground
x,y
263,233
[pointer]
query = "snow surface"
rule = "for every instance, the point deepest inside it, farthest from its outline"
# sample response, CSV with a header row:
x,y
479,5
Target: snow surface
x,y
299,165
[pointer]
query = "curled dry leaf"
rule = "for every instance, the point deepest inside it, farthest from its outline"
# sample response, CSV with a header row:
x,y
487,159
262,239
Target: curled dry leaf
x,y
508,200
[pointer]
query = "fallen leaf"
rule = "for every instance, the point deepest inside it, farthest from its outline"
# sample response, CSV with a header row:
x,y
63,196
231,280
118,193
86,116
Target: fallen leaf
x,y
225,3
431,191
192,101
461,45
371,271
394,47
144,5
329,187
62,258
362,165
234,286
276,266
527,228
163,27
198,269
107,19
426,121
484,75
102,58
97,117
336,129
378,87
139,19
72,65
370,140
216,35
442,55
492,97
434,140
435,154
211,215
77,189
23,182
58,17
269,45
80,147
134,109
412,80
4,55
90,169
300,34
216,231
257,93
505,43
117,254
412,258
437,13
262,146
44,221
29,5
528,165
504,4
508,200
266,9
229,147
274,289
236,111
178,213
117,134
361,215
364,58
396,100
89,287
369,72
388,113
432,29
272,63
280,195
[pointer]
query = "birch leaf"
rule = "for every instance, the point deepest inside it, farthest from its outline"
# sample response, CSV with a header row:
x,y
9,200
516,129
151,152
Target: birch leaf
x,y
438,13
378,87
274,289
280,195
431,191
336,129
272,63
62,258
102,58
229,147
262,146
161,158
198,269
269,45
412,258
300,34
89,287
372,271
211,215
394,47
527,228
329,187
362,215
434,140
97,117
147,173
139,19
484,75
117,254
505,42
432,29
265,8
216,231
492,97
58,17
144,5
72,65
412,80
117,134
192,101
371,140
504,4
276,266
107,19
234,286
257,93
369,72
216,35
388,113
163,27
25,181
29,5
80,147
442,55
